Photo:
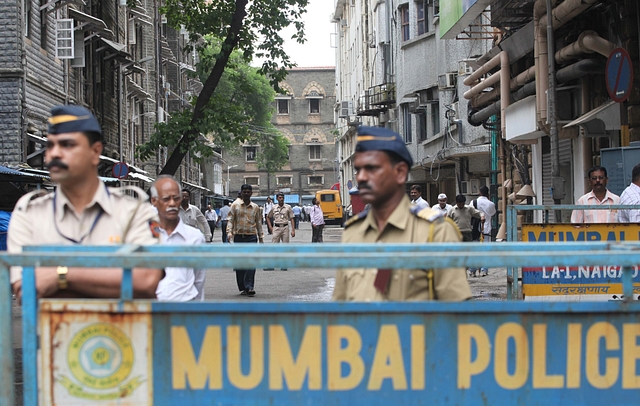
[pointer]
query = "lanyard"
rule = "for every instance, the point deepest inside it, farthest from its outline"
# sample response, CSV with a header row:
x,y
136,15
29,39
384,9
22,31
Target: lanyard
x,y
95,221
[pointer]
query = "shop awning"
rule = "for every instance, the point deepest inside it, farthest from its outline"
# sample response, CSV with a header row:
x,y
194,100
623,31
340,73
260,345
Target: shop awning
x,y
91,23
191,185
603,121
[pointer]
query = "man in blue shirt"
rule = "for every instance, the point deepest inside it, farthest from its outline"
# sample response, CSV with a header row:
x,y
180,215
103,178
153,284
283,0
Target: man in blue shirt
x,y
296,213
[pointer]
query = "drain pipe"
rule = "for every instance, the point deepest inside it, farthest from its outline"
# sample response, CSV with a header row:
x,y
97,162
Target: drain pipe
x,y
504,76
522,79
588,42
557,182
556,18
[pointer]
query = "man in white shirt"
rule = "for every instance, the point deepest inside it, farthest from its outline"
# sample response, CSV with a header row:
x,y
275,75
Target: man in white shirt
x,y
267,209
442,205
224,214
416,197
212,219
317,221
178,284
192,216
599,195
486,206
631,195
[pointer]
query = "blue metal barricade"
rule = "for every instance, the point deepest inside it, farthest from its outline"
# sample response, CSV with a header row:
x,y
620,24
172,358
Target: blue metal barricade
x,y
562,282
133,352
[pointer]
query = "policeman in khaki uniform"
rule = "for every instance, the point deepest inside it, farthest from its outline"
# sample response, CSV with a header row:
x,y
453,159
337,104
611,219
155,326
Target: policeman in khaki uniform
x,y
82,210
382,163
278,220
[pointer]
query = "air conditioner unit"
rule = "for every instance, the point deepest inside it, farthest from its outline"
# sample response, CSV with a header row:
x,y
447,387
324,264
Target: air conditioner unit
x,y
346,109
447,81
464,69
383,118
393,115
464,187
475,186
413,106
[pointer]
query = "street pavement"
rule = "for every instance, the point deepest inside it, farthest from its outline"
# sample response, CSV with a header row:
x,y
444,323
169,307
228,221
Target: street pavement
x,y
299,284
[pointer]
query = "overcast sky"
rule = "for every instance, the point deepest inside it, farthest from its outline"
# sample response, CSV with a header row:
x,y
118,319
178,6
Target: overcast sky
x,y
317,50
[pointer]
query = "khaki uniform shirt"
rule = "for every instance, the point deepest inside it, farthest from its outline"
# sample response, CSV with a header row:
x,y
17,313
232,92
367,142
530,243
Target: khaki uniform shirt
x,y
123,220
406,284
281,215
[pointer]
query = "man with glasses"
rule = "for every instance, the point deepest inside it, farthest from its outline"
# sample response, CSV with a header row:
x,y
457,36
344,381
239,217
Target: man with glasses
x,y
600,196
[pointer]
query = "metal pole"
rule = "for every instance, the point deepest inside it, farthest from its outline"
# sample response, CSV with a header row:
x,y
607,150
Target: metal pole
x,y
551,115
6,339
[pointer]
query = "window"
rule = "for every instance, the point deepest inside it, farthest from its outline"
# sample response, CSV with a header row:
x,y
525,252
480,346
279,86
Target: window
x,y
434,110
283,106
404,21
421,122
314,106
407,124
422,17
251,153
64,38
253,180
315,152
283,181
43,25
28,19
316,180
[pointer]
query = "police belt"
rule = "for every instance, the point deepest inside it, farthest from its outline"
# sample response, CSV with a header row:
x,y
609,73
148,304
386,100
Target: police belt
x,y
282,225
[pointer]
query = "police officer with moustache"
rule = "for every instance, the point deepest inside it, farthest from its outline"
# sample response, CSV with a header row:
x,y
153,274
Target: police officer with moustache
x,y
382,163
82,210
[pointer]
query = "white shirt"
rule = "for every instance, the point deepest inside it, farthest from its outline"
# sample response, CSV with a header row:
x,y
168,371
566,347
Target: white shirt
x,y
446,209
487,207
420,202
193,217
317,217
267,209
211,215
181,284
631,195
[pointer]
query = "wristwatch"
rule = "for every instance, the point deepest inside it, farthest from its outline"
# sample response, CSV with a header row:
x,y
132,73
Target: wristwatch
x,y
62,277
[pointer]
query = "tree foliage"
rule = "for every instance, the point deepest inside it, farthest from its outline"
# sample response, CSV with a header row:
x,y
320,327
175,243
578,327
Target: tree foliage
x,y
253,29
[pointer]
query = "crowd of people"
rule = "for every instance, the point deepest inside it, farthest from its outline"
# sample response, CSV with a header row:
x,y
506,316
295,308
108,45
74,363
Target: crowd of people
x,y
82,210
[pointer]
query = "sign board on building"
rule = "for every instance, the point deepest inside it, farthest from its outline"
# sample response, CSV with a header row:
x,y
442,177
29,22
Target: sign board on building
x,y
619,75
120,170
577,283
456,15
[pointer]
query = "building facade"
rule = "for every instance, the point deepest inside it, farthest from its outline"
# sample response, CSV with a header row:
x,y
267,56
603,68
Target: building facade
x,y
304,115
394,71
125,64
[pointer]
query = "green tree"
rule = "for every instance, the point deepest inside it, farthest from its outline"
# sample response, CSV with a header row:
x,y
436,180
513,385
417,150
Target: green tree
x,y
253,28
241,103
273,153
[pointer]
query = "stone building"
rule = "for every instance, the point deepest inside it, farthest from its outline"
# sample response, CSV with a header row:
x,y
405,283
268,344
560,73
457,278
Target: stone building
x,y
123,63
304,114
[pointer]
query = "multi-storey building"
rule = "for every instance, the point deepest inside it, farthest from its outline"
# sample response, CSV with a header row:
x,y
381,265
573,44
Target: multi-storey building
x,y
554,127
393,70
123,63
304,114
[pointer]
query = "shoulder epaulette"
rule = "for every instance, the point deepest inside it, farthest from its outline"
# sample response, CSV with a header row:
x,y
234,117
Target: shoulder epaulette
x,y
356,218
31,197
427,213
138,194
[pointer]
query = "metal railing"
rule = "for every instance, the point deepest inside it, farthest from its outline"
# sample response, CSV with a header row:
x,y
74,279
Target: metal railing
x,y
419,256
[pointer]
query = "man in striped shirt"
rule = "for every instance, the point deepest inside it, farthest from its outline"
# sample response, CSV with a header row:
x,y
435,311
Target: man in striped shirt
x,y
244,224
599,195
631,195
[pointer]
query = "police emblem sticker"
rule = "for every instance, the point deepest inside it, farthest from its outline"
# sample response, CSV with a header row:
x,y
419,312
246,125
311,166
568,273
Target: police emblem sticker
x,y
101,359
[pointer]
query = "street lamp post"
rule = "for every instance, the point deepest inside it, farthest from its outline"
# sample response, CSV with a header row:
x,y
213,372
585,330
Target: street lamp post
x,y
229,178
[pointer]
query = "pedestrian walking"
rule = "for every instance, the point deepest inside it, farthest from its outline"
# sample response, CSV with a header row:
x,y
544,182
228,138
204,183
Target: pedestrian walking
x,y
212,219
278,221
223,219
192,216
245,226
382,164
317,221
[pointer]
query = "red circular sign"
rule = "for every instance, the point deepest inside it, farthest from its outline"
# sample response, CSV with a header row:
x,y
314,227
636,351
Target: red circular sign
x,y
619,75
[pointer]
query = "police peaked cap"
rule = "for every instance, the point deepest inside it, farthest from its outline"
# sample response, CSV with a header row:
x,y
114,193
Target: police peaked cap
x,y
71,119
382,139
